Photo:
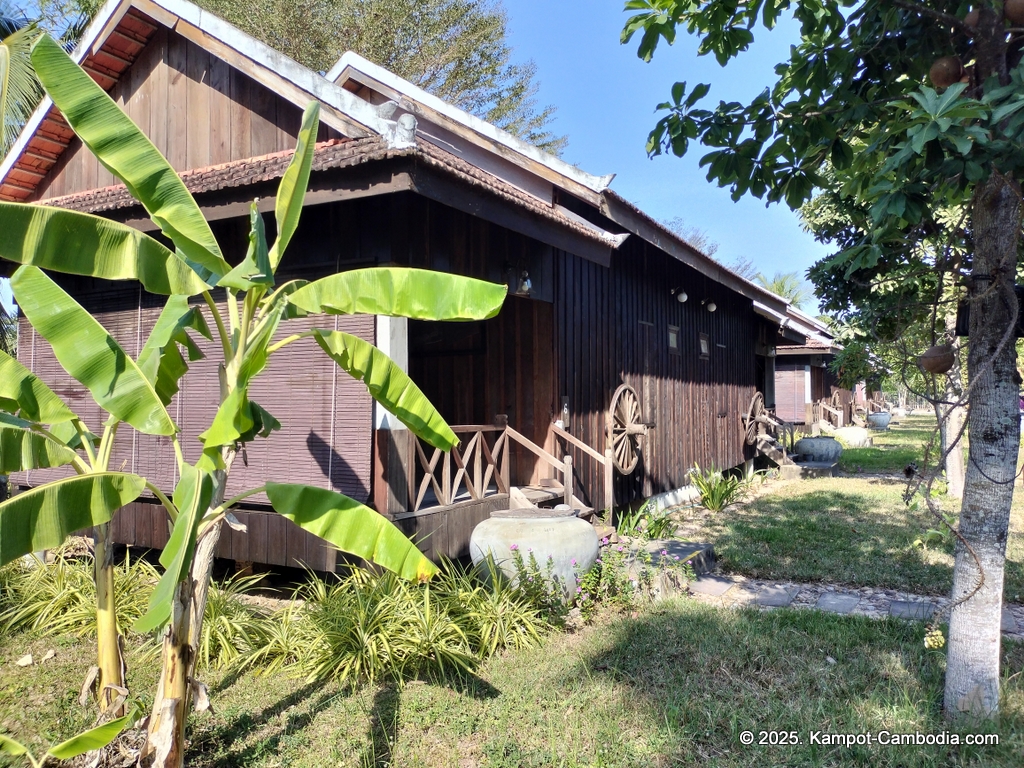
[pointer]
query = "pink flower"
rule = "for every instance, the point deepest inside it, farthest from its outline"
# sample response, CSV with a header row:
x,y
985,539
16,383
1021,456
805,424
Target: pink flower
x,y
514,547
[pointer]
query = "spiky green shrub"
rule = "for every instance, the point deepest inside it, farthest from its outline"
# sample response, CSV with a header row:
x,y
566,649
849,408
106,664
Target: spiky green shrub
x,y
60,597
717,489
232,628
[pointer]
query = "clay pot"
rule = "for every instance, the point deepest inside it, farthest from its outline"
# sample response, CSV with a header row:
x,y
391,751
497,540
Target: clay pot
x,y
569,542
937,359
823,449
946,71
1013,12
879,420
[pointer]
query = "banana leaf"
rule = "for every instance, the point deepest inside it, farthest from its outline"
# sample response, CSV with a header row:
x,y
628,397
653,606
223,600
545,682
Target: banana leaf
x,y
292,190
43,517
402,292
255,268
191,498
82,244
90,354
389,385
22,449
123,150
24,393
94,738
161,360
351,527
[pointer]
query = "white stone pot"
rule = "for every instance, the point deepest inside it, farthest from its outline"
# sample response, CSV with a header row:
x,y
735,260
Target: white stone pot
x,y
570,543
823,449
854,437
879,420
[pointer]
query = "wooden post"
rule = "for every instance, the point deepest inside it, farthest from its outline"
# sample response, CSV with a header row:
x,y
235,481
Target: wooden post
x,y
567,480
609,484
446,479
478,469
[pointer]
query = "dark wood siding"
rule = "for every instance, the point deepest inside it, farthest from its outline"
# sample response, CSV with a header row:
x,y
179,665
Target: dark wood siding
x,y
196,109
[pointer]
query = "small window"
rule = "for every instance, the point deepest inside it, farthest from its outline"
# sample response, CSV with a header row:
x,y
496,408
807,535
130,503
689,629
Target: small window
x,y
705,347
673,340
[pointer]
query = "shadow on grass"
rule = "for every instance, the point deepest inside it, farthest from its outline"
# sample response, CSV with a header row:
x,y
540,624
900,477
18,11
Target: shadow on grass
x,y
702,676
849,538
224,745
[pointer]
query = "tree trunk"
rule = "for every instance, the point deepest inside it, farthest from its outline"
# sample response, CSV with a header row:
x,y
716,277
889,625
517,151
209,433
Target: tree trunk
x,y
955,417
166,737
108,642
972,672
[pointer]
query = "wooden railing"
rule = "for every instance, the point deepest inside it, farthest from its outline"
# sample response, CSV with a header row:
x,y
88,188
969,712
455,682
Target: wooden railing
x,y
823,411
605,460
472,465
482,457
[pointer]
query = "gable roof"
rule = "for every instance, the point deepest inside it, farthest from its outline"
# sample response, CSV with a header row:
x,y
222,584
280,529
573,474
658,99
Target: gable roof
x,y
359,100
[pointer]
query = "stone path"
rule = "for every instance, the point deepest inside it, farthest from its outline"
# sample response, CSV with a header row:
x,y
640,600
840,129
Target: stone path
x,y
740,592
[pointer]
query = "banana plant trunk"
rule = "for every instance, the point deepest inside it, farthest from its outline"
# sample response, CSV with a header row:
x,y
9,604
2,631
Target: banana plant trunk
x,y
108,640
165,741
972,669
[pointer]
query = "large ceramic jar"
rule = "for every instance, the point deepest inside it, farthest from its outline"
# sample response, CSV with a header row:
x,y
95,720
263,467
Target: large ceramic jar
x,y
555,534
879,420
823,449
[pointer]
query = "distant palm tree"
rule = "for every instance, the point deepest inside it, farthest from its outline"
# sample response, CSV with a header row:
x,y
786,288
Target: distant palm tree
x,y
19,89
788,285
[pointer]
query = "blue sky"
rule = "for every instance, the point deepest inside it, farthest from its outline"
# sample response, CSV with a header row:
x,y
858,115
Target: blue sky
x,y
606,96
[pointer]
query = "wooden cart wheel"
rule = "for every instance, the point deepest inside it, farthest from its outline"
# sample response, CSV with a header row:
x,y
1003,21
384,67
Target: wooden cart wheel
x,y
754,412
625,428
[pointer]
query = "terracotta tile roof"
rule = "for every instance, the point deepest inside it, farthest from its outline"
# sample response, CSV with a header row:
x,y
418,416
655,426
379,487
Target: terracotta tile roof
x,y
333,154
105,66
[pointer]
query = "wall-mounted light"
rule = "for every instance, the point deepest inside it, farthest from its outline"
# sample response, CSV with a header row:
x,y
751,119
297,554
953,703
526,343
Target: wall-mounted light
x,y
709,305
680,295
518,279
525,286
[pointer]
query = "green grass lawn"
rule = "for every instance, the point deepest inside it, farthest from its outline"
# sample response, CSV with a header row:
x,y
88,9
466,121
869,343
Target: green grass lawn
x,y
675,685
848,530
893,448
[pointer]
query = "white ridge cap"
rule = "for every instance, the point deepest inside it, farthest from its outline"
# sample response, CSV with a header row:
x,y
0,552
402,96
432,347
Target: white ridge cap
x,y
415,93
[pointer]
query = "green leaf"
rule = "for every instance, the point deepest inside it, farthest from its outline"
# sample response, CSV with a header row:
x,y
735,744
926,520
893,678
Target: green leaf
x,y
160,360
255,268
351,527
263,423
191,498
292,190
23,393
94,738
22,449
43,517
402,292
389,386
82,244
123,150
231,421
90,354
12,747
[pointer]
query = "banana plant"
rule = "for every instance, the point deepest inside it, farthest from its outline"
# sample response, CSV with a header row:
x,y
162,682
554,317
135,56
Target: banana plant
x,y
136,392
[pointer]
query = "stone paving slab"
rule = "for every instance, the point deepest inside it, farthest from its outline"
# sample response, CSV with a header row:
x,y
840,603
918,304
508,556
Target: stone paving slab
x,y
713,586
775,596
911,609
1009,622
837,602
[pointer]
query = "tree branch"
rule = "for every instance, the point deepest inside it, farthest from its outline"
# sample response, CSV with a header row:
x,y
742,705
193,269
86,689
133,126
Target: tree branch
x,y
924,10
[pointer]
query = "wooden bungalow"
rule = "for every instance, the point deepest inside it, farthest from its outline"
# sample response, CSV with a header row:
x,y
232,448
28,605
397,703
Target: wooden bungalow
x,y
622,356
806,389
